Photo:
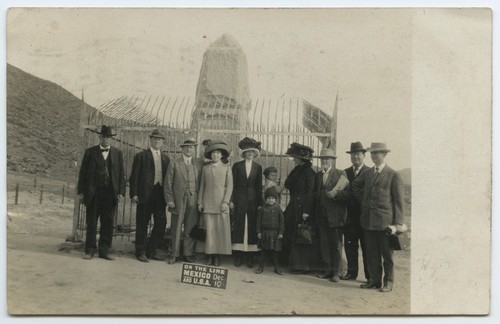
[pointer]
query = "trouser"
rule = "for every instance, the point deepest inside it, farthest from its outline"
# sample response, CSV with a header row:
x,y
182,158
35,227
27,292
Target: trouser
x,y
102,207
188,216
331,246
156,206
262,255
353,233
378,248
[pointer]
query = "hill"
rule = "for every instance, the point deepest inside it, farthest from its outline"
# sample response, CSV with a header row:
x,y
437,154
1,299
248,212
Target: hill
x,y
42,126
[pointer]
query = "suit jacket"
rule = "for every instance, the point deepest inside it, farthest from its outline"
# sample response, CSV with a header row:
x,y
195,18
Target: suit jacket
x,y
247,198
92,162
143,174
353,205
334,211
175,181
381,197
216,186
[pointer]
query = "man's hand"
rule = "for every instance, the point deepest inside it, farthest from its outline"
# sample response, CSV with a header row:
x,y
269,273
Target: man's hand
x,y
171,205
259,236
135,199
80,197
120,197
305,216
200,208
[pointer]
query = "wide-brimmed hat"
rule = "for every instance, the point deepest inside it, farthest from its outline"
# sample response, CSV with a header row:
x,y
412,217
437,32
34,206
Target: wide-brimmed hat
x,y
378,147
271,192
356,147
300,151
217,145
327,153
156,134
249,144
190,141
107,131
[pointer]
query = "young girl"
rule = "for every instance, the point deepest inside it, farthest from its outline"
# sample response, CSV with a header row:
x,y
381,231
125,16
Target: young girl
x,y
270,229
272,180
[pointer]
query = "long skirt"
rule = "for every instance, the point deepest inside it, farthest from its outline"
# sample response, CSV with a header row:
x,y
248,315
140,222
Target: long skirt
x,y
218,239
245,247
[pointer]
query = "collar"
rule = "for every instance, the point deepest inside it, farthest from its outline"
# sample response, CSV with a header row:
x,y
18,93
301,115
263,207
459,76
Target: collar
x,y
380,167
187,159
359,168
104,148
154,151
248,161
327,170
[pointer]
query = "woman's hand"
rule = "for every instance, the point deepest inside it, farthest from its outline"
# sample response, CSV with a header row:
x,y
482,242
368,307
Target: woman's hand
x,y
305,216
259,236
224,207
200,208
280,236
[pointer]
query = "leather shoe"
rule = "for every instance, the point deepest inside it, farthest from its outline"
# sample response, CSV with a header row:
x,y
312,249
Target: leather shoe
x,y
171,260
335,278
371,284
189,259
325,276
142,258
237,262
216,260
278,271
106,256
348,277
259,270
386,289
88,256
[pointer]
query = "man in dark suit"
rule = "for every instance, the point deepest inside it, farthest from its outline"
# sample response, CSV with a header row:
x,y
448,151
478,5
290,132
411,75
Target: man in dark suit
x,y
101,184
146,180
181,194
353,233
332,213
381,192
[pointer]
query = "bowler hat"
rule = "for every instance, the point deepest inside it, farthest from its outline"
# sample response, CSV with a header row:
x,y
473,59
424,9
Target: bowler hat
x,y
217,145
378,147
249,144
190,141
300,151
107,131
156,134
356,147
327,153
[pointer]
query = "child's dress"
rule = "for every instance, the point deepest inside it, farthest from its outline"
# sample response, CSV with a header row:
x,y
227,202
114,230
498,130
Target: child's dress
x,y
271,223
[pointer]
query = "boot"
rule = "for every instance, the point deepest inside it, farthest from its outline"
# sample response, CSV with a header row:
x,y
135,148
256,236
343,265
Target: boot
x,y
216,260
275,264
261,263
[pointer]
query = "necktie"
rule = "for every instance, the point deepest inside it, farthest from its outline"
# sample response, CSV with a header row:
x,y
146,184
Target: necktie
x,y
356,170
376,171
157,161
105,150
325,177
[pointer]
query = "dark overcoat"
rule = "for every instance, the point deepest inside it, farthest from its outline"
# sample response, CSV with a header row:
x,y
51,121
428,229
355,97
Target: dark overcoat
x,y
247,198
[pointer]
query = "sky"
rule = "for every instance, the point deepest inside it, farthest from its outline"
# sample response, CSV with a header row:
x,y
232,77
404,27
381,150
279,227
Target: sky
x,y
364,55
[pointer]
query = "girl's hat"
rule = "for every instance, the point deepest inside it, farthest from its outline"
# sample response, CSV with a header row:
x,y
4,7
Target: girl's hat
x,y
271,192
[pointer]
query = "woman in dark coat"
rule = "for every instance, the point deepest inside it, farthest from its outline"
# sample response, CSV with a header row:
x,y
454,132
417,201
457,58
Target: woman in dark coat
x,y
302,258
247,198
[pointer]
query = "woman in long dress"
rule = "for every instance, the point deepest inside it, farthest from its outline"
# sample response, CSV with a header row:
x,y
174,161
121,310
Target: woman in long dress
x,y
302,258
216,186
247,198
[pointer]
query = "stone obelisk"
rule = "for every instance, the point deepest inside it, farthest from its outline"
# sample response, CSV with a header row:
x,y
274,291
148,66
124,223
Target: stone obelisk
x,y
222,94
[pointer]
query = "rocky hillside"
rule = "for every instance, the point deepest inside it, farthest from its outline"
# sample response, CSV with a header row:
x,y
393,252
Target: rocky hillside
x,y
42,126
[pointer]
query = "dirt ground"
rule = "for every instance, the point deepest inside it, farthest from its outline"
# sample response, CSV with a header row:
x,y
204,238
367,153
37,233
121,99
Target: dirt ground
x,y
42,279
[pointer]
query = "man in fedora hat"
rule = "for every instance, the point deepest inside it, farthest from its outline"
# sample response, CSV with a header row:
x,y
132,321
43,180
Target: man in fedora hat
x,y
181,194
146,180
332,213
381,192
101,184
353,233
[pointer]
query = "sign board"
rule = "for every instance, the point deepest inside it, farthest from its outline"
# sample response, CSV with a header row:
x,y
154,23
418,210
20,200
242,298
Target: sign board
x,y
204,275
